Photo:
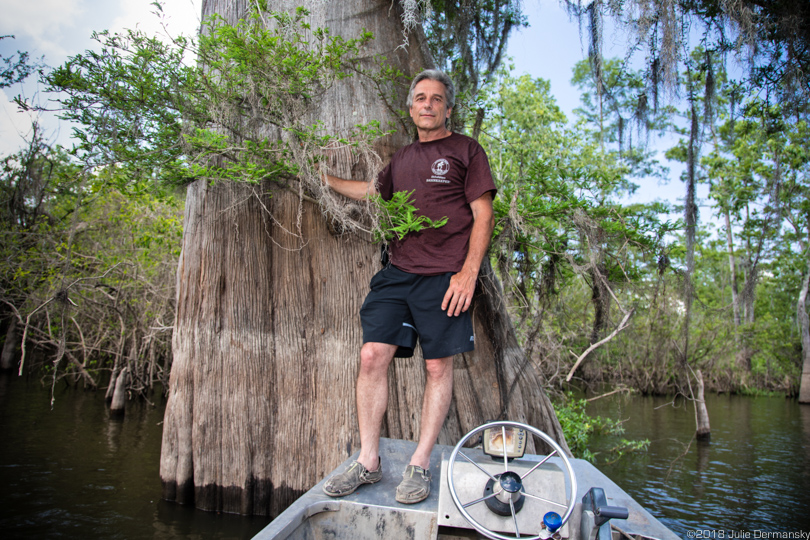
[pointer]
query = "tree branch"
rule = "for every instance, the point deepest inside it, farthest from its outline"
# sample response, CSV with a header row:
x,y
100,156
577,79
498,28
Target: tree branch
x,y
622,326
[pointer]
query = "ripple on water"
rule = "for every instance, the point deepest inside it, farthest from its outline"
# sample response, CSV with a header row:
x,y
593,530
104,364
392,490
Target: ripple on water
x,y
753,475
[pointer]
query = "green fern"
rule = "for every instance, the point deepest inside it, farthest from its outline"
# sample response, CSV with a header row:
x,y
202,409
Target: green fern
x,y
398,217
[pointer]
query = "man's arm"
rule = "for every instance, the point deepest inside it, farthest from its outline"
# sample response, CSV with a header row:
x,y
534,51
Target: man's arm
x,y
353,189
462,285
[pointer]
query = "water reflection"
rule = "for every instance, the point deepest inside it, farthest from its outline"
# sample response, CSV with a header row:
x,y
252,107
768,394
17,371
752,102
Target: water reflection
x,y
74,472
804,414
703,451
753,475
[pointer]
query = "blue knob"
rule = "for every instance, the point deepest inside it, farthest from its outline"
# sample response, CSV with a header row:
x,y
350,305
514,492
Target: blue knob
x,y
552,521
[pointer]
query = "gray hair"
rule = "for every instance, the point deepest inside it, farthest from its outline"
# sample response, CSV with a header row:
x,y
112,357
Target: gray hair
x,y
435,75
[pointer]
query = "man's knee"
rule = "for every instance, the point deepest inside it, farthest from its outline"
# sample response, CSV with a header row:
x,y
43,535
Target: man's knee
x,y
439,368
376,356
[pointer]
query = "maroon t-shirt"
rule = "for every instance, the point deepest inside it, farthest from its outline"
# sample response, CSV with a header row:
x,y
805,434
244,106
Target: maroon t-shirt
x,y
445,175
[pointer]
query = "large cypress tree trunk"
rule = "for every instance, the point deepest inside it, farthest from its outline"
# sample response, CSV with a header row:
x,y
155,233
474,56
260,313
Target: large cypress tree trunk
x,y
267,333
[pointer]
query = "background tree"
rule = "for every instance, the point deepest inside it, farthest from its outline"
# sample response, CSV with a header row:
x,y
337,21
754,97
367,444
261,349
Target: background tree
x,y
748,190
560,225
16,68
87,281
612,105
468,39
770,38
791,147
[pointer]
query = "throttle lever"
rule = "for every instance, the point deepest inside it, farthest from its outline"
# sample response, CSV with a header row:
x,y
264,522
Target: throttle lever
x,y
604,513
596,513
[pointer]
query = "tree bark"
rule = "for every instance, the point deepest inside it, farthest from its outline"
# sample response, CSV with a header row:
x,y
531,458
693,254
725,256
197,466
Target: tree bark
x,y
804,328
119,397
9,355
267,333
743,353
690,224
703,430
600,298
732,265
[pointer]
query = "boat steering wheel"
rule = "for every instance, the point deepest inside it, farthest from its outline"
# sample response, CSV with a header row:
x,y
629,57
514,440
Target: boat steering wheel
x,y
510,483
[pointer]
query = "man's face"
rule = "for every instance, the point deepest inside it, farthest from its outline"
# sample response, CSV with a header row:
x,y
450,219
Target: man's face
x,y
429,109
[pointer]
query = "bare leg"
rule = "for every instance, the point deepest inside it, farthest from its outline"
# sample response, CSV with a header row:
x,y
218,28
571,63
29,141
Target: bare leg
x,y
436,403
372,399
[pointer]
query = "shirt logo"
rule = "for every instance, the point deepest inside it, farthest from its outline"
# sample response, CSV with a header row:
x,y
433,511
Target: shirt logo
x,y
440,167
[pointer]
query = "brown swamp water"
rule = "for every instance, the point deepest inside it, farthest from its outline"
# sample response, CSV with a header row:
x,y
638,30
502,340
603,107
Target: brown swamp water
x,y
751,480
73,472
70,471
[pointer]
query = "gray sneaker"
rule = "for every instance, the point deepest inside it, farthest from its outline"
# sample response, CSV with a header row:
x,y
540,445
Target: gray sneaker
x,y
415,485
352,478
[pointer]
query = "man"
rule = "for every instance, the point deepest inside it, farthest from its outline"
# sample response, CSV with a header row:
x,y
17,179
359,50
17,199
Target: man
x,y
427,288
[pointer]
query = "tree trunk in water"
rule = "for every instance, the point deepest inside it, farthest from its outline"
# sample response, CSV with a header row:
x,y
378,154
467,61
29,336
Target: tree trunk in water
x,y
8,358
704,430
119,397
108,396
804,328
690,225
267,333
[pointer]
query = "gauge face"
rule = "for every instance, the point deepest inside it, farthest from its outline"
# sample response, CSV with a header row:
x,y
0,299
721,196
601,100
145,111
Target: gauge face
x,y
509,440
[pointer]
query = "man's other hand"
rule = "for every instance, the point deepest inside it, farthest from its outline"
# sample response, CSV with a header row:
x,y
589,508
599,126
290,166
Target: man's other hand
x,y
459,294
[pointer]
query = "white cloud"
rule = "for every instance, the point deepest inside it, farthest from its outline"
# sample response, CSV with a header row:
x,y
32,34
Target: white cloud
x,y
178,16
60,28
57,29
44,21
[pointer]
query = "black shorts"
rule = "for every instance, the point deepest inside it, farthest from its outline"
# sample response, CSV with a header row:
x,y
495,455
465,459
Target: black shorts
x,y
402,307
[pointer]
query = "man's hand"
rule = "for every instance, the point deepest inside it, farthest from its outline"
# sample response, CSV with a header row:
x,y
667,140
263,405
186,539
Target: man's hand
x,y
459,294
353,189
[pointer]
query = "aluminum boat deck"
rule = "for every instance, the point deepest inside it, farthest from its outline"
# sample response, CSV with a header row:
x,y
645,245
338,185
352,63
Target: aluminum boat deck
x,y
372,513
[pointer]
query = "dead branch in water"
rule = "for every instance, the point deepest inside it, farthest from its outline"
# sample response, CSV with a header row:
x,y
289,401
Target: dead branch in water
x,y
622,389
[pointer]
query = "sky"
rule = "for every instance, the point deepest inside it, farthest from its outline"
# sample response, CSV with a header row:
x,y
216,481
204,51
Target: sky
x,y
548,49
57,29
551,46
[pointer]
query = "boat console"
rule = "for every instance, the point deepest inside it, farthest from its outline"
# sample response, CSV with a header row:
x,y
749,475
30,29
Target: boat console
x,y
487,486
